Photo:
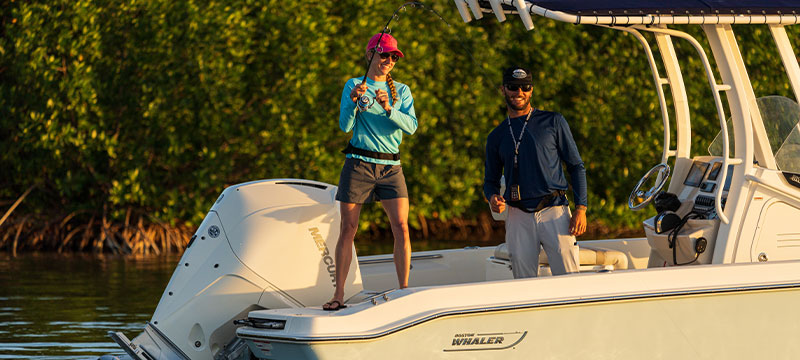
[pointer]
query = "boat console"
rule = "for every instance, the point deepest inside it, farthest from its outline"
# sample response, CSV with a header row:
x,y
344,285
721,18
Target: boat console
x,y
687,235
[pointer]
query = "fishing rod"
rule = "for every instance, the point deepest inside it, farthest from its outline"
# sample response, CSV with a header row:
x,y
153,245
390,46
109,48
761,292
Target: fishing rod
x,y
365,102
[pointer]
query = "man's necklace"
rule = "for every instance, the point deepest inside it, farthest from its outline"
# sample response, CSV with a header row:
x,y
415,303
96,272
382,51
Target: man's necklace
x,y
521,134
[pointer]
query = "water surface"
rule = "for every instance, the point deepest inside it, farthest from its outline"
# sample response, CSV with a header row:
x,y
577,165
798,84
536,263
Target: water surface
x,y
63,306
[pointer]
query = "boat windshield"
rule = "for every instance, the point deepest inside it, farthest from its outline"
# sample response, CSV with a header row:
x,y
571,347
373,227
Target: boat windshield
x,y
781,117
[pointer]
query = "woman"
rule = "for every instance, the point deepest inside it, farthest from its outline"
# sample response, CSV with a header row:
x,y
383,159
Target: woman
x,y
372,168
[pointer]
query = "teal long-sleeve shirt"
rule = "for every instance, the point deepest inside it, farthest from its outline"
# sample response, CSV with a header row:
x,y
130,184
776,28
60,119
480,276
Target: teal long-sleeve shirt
x,y
372,129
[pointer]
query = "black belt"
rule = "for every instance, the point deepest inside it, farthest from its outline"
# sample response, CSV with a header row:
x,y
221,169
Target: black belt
x,y
350,149
546,201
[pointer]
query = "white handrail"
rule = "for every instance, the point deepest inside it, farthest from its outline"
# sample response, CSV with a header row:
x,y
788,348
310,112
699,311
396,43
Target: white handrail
x,y
659,82
787,57
716,88
763,183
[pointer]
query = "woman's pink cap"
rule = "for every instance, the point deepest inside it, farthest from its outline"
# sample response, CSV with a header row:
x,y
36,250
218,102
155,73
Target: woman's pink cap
x,y
388,44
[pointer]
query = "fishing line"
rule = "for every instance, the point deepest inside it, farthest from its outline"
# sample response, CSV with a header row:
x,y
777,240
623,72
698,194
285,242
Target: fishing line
x,y
364,101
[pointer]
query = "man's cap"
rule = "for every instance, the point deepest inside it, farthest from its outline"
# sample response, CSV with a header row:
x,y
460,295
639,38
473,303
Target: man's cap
x,y
517,75
388,44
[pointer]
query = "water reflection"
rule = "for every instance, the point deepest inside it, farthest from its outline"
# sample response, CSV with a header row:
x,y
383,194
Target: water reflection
x,y
62,306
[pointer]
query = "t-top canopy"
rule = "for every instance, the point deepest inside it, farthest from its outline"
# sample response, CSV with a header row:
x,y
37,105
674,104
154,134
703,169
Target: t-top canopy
x,y
676,7
640,12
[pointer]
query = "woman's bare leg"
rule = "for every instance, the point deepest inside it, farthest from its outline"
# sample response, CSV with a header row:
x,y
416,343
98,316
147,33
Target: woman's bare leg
x,y
344,246
397,209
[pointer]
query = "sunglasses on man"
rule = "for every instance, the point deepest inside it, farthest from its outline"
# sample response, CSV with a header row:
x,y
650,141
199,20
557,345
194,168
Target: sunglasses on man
x,y
513,87
385,55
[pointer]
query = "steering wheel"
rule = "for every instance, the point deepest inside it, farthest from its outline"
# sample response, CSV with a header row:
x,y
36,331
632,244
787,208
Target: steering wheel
x,y
645,197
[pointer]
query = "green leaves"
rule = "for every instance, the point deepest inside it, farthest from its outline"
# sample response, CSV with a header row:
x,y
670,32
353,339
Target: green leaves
x,y
159,105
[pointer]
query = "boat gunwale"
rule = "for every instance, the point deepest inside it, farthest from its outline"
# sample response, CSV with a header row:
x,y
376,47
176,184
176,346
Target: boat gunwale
x,y
256,334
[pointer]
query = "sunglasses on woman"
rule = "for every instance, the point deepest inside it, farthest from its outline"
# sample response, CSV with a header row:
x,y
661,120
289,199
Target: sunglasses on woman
x,y
385,55
525,88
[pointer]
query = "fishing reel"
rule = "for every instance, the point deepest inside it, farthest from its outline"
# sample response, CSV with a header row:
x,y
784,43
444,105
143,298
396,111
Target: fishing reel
x,y
365,102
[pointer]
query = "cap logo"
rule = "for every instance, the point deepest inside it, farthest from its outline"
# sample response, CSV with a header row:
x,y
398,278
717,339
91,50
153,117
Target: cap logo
x,y
519,74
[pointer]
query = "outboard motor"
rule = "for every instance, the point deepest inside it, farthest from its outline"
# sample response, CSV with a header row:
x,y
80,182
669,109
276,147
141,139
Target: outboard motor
x,y
263,245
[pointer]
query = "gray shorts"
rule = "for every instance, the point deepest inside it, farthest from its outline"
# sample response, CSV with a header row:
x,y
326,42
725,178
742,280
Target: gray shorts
x,y
363,182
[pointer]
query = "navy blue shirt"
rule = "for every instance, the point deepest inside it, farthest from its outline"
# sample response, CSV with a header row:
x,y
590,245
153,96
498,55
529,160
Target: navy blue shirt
x,y
547,143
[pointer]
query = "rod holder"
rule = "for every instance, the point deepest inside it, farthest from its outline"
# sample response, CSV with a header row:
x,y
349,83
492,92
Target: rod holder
x,y
497,9
476,9
463,11
524,14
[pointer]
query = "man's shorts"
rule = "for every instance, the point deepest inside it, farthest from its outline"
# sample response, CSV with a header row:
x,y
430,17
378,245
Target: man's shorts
x,y
363,182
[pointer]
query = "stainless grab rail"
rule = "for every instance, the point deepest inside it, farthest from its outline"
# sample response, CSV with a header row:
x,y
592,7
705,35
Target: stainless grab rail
x,y
389,259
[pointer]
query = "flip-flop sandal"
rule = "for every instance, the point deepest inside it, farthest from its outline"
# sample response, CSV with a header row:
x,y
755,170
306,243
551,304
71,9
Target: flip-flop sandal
x,y
329,305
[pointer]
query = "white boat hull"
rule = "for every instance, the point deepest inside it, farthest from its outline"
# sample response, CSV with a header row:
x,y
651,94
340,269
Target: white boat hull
x,y
705,312
680,327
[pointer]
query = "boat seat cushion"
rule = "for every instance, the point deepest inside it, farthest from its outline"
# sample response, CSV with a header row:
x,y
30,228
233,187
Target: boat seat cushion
x,y
588,256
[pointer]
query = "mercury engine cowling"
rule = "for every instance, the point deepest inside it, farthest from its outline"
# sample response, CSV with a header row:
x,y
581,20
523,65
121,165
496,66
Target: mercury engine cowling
x,y
263,245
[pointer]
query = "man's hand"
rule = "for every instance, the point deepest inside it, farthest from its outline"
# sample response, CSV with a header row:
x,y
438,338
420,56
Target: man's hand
x,y
577,225
497,203
357,91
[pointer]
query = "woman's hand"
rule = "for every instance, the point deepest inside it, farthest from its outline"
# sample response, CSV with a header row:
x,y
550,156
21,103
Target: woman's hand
x,y
383,99
357,91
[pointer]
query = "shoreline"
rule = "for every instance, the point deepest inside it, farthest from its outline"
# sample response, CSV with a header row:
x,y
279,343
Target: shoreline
x,y
141,237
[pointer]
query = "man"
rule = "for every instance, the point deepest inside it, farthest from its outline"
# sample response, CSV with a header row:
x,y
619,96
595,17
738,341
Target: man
x,y
529,148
